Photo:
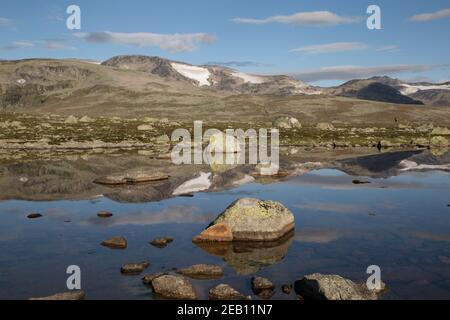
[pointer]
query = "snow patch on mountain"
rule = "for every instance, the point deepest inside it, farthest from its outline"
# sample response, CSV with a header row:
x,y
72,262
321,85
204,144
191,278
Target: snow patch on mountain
x,y
248,77
407,89
199,74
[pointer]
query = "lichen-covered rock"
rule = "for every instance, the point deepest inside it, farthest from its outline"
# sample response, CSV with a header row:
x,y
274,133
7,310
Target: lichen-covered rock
x,y
70,295
333,287
225,292
173,287
220,232
202,271
252,220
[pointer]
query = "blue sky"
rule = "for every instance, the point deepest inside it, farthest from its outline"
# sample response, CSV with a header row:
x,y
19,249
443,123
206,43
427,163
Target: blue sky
x,y
326,43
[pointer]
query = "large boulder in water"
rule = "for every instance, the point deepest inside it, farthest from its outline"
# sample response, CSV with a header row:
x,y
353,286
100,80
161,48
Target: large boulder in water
x,y
333,287
250,219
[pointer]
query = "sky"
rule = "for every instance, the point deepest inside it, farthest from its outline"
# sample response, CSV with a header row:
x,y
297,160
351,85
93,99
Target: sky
x,y
323,42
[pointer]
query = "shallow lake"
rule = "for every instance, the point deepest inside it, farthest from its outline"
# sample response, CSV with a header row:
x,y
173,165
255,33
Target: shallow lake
x,y
400,223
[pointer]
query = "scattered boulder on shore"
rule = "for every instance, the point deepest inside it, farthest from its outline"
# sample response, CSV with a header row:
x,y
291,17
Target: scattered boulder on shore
x,y
70,295
225,292
333,287
104,214
202,271
115,243
173,287
325,126
161,242
34,215
134,268
71,120
286,123
249,220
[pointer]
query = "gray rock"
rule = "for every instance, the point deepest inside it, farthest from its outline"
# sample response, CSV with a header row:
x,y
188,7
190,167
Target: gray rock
x,y
173,287
115,243
325,126
202,271
70,295
134,268
225,292
333,287
286,123
253,220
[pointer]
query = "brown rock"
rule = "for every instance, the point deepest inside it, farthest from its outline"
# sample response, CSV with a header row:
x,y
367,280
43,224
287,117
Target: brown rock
x,y
202,271
217,233
260,284
34,215
71,295
115,243
104,214
148,279
161,242
134,268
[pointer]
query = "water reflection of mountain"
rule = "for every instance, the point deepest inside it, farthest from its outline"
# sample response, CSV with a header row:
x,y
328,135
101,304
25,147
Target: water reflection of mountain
x,y
72,178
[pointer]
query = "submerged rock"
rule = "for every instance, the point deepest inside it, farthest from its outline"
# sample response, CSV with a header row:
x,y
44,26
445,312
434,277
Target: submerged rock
x,y
202,271
115,243
250,220
104,214
70,295
134,268
34,215
131,178
161,242
225,292
333,287
173,287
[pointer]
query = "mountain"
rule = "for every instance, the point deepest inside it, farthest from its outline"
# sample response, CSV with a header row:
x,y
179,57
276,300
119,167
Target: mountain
x,y
212,77
381,89
387,89
140,85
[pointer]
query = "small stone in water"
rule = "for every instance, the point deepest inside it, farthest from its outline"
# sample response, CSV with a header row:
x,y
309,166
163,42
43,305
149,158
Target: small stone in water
x,y
161,242
34,215
104,214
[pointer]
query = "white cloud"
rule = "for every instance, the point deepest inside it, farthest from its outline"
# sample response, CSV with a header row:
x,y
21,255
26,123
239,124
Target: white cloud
x,y
331,47
178,42
389,48
441,14
16,45
359,72
5,22
314,18
56,44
